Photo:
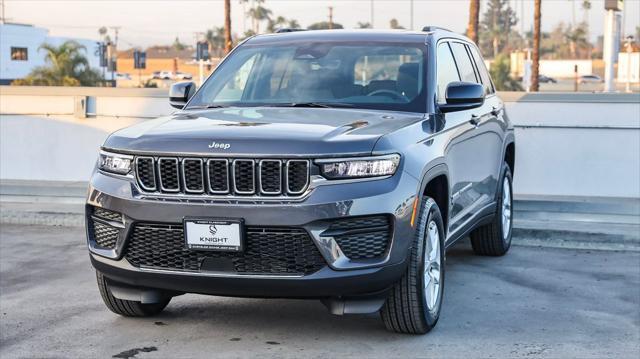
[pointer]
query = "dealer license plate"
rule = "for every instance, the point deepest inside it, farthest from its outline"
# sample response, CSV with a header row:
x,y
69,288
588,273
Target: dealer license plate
x,y
214,234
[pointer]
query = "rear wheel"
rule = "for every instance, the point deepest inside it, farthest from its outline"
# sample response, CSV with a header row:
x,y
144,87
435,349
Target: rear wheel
x,y
494,239
413,306
127,308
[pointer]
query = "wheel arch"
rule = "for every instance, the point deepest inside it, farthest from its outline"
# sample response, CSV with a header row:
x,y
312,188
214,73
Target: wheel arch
x,y
435,184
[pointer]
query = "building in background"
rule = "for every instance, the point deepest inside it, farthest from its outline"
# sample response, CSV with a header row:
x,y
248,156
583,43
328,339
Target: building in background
x,y
20,54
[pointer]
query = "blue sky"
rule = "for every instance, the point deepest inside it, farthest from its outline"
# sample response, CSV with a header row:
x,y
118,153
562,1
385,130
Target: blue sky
x,y
144,23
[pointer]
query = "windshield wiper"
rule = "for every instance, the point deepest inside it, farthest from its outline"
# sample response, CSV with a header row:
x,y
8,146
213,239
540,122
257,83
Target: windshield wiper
x,y
312,104
206,106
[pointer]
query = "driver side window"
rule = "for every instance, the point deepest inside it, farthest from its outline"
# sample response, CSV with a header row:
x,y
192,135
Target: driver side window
x,y
446,71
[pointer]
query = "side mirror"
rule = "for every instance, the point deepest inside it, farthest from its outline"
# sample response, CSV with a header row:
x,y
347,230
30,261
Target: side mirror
x,y
463,96
180,93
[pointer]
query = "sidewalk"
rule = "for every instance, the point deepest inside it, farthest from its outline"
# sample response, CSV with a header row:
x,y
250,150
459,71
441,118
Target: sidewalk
x,y
563,222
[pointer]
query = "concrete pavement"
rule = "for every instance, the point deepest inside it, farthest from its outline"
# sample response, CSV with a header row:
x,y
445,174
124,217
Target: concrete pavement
x,y
532,303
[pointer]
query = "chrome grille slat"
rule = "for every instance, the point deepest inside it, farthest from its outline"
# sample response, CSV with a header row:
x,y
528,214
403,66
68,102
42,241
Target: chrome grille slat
x,y
222,177
270,177
169,174
244,176
297,176
218,176
193,175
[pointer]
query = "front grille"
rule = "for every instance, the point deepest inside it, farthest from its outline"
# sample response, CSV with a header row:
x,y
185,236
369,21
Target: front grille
x,y
361,237
268,250
213,176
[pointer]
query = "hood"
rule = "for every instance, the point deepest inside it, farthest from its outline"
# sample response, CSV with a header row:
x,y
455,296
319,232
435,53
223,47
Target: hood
x,y
263,131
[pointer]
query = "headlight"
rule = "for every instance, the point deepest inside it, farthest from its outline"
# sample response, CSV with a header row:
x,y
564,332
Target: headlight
x,y
359,168
115,162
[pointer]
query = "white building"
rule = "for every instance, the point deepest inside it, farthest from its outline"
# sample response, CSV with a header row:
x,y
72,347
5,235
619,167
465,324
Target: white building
x,y
19,53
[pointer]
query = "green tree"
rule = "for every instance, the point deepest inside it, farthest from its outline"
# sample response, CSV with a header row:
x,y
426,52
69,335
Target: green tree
x,y
364,25
275,24
66,66
577,38
395,24
324,25
497,22
258,14
500,74
215,37
178,45
293,24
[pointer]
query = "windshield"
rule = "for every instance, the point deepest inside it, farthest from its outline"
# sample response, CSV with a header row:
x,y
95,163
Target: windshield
x,y
323,74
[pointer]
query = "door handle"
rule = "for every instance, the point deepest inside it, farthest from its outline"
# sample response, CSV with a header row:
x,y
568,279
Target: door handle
x,y
495,111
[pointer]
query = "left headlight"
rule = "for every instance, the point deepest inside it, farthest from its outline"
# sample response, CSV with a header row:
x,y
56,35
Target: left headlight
x,y
115,162
359,168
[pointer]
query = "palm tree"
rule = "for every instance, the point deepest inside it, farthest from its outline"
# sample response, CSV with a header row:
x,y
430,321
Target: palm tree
x,y
274,24
535,68
227,26
259,14
293,24
577,38
474,16
215,37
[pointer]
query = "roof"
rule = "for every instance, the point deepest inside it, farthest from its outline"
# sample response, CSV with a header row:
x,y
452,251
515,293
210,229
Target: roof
x,y
401,36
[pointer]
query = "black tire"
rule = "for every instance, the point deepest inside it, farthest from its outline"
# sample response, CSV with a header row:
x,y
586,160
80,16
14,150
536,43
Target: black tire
x,y
127,308
406,310
490,239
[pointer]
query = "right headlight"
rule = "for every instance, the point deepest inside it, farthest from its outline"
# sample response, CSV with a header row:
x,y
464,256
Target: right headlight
x,y
115,162
359,168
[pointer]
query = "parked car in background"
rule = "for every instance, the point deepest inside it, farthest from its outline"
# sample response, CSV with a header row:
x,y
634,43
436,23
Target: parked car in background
x,y
162,75
546,79
123,76
183,76
543,79
585,79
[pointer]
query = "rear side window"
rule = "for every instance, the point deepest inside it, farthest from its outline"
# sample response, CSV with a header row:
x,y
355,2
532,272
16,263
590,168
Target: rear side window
x,y
465,65
484,74
445,70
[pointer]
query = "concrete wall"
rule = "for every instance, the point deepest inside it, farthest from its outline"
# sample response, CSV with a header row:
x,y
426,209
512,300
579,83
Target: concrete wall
x,y
567,144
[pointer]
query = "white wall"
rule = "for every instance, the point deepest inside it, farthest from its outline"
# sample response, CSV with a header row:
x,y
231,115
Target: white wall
x,y
566,144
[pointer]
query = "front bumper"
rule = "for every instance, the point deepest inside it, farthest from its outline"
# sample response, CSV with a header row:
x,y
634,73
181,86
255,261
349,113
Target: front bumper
x,y
342,276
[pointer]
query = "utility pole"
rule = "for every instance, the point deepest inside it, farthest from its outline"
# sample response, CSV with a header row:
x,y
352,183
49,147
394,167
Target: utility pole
x,y
330,17
2,11
227,26
371,14
113,57
535,67
611,39
411,14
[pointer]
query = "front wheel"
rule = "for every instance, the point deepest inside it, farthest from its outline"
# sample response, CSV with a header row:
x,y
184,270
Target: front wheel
x,y
127,308
413,306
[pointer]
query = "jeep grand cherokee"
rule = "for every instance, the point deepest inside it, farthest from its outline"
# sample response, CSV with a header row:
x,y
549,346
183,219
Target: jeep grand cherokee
x,y
334,165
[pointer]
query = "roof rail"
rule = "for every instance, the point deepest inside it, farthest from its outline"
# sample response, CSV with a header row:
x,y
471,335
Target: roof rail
x,y
280,31
434,28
